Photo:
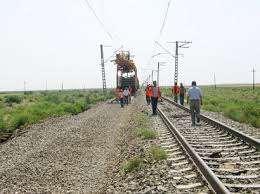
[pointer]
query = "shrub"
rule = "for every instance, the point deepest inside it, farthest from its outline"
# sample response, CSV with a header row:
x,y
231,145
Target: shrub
x,y
132,165
146,133
87,99
10,99
19,120
69,99
53,98
257,122
158,153
68,108
2,123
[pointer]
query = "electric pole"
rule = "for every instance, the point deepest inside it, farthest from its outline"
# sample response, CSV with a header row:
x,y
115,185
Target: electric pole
x,y
178,44
158,70
253,79
24,87
215,85
46,86
103,68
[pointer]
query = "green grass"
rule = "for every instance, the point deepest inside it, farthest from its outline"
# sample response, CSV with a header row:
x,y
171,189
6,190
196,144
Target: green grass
x,y
133,164
158,153
145,133
142,120
29,108
241,104
155,153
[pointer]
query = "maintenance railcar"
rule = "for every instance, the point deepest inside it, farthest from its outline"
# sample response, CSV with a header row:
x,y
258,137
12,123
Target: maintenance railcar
x,y
126,72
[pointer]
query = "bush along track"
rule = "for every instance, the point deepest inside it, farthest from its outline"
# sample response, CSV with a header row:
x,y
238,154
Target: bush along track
x,y
19,110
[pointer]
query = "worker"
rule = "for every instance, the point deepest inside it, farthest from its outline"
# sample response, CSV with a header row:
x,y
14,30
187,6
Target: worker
x,y
195,99
126,96
130,94
175,91
121,98
117,95
182,94
148,93
156,93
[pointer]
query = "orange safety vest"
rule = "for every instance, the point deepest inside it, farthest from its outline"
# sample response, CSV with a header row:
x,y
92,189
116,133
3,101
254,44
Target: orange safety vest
x,y
175,89
148,91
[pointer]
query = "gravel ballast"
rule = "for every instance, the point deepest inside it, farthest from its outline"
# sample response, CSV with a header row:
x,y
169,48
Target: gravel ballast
x,y
71,153
243,127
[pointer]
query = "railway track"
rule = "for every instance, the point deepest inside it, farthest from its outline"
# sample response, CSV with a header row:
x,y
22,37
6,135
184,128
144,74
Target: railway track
x,y
228,159
184,174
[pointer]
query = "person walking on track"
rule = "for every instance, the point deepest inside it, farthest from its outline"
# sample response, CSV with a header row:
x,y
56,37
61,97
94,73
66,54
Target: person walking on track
x,y
121,98
126,95
130,95
175,91
148,93
182,94
195,99
156,93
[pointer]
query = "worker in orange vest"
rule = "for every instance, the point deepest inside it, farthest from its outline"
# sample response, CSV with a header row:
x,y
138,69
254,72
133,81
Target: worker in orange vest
x,y
175,91
148,93
156,94
121,98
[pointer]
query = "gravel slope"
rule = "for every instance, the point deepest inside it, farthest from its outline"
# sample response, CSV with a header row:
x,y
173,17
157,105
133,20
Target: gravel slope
x,y
72,153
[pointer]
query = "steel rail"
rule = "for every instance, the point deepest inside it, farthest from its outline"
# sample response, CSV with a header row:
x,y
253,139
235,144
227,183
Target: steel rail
x,y
209,175
240,135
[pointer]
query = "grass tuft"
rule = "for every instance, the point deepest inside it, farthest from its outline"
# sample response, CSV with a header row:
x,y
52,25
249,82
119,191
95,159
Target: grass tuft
x,y
145,133
158,153
132,165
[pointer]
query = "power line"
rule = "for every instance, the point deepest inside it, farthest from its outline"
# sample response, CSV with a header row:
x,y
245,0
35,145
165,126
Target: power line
x,y
98,19
161,30
165,17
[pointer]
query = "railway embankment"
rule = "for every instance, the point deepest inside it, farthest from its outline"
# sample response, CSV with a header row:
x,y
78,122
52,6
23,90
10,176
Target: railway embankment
x,y
69,153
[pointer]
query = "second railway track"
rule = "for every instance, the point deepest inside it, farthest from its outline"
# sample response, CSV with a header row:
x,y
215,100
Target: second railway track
x,y
229,160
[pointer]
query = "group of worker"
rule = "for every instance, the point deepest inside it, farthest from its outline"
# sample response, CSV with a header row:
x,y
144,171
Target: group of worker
x,y
194,98
124,96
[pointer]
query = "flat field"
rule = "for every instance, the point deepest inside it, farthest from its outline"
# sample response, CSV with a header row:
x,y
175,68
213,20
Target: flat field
x,y
241,104
18,109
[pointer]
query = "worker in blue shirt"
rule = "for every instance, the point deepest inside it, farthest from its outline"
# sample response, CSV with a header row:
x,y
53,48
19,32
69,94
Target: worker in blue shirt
x,y
194,97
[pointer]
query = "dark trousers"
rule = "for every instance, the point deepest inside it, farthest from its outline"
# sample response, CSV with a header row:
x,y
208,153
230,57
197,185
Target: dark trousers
x,y
148,100
121,102
126,100
176,98
182,100
195,110
154,104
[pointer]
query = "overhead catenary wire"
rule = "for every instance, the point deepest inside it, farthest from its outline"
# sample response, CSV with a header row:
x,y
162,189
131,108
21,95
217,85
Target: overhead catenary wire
x,y
165,17
98,19
161,30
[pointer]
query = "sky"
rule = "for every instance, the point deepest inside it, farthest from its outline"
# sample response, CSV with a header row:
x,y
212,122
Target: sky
x,y
44,43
